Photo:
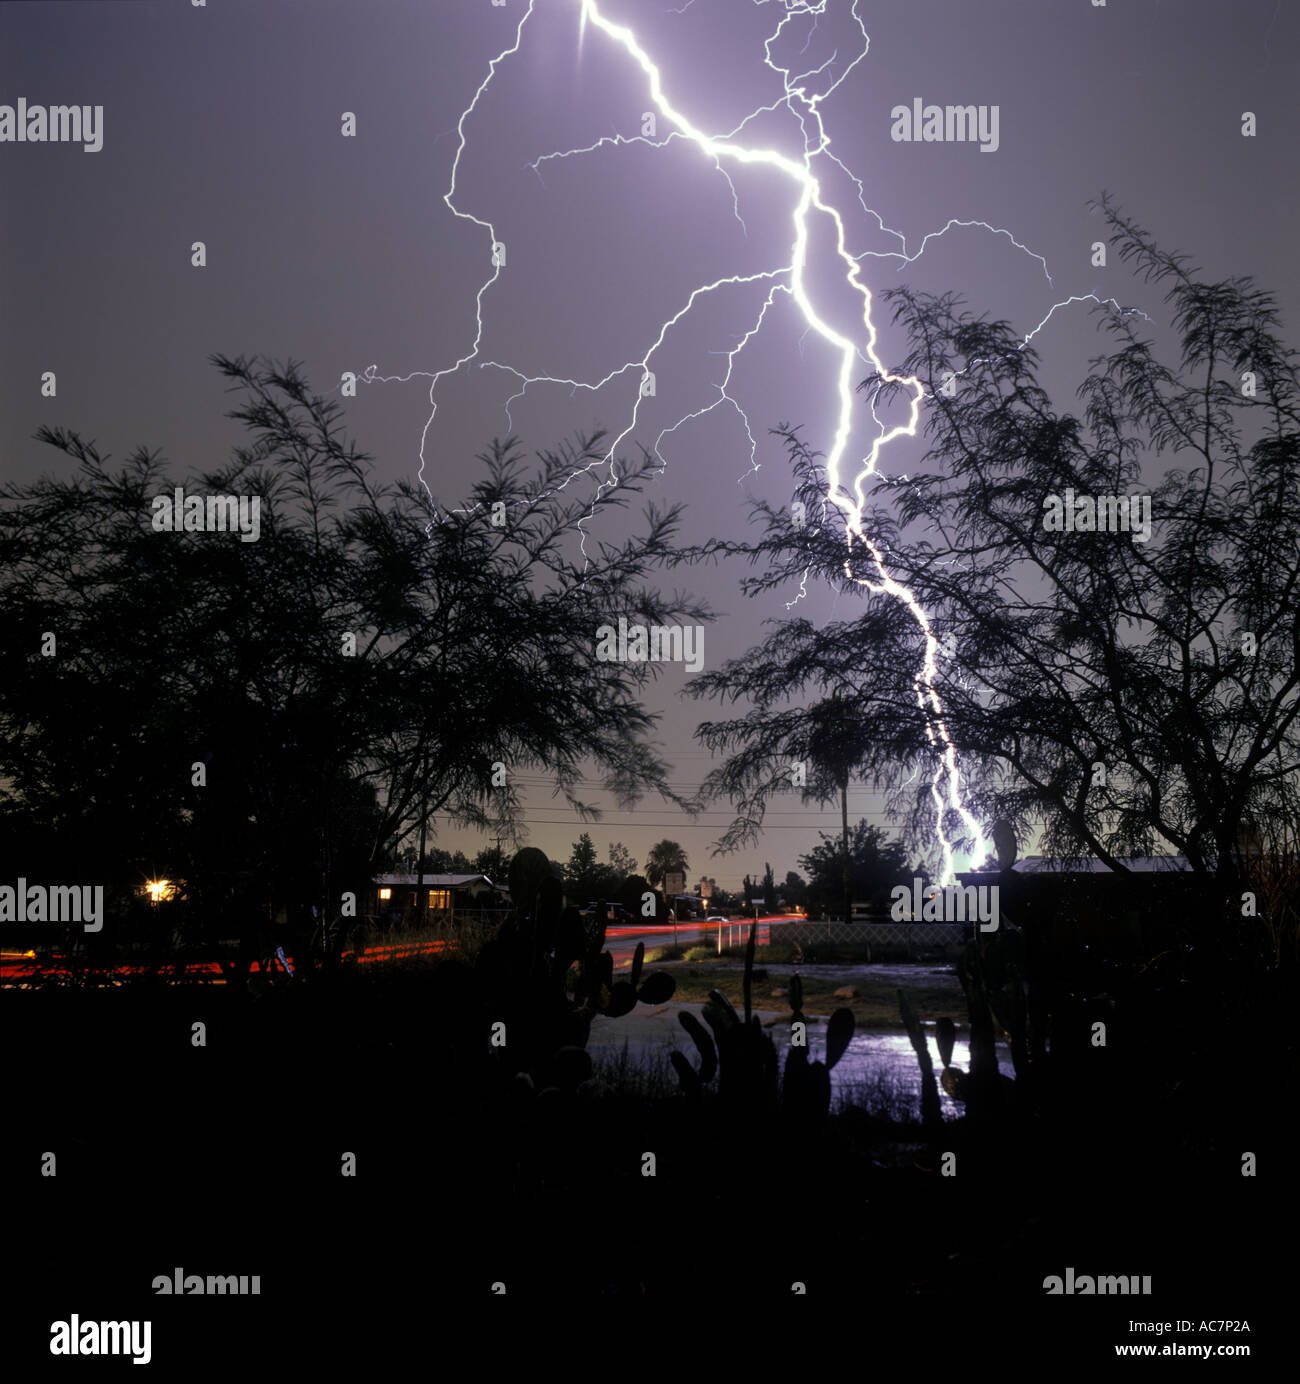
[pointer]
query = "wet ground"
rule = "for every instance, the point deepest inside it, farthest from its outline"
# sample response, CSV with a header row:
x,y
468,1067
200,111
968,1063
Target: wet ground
x,y
877,1061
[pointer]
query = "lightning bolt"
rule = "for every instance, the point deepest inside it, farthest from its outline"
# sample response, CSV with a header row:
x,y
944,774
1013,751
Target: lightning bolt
x,y
789,279
946,784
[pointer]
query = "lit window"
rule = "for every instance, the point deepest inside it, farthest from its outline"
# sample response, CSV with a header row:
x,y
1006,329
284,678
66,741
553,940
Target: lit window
x,y
385,893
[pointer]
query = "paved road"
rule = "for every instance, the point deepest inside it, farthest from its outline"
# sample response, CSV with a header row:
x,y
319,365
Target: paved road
x,y
619,941
19,965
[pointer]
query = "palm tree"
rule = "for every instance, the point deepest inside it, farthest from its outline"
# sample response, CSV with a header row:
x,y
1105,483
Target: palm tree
x,y
838,743
664,857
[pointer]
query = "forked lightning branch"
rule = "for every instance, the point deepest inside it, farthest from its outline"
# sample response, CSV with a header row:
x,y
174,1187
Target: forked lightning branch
x,y
850,462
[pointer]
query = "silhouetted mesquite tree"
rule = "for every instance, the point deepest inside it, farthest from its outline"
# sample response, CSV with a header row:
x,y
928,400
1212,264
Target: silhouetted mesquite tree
x,y
1131,696
363,666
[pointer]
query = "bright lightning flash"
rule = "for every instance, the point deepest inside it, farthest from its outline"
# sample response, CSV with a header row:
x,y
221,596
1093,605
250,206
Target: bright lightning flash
x,y
789,278
810,198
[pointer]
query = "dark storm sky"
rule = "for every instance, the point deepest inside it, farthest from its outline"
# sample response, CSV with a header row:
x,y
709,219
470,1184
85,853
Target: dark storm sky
x,y
222,124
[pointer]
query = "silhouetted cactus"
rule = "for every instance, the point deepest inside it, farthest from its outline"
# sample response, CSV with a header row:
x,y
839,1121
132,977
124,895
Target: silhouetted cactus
x,y
805,1087
708,1051
690,1079
746,1060
522,973
657,988
839,1034
796,995
806,1084
953,1079
1006,967
945,1036
991,974
931,1114
622,999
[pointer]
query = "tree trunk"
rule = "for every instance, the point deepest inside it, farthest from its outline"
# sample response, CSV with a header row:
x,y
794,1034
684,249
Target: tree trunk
x,y
844,823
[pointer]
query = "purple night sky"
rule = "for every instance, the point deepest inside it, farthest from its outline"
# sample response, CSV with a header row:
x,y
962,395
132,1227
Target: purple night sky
x,y
222,124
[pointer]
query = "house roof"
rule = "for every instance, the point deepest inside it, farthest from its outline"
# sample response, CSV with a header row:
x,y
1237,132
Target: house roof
x,y
1139,864
434,881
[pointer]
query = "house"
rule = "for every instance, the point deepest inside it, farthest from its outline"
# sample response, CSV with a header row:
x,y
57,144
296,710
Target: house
x,y
1145,864
1137,908
448,894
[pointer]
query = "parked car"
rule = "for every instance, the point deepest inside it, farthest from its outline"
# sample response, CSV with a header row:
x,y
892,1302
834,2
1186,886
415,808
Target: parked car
x,y
613,912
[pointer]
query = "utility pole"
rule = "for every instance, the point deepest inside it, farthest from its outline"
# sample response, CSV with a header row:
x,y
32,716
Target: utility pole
x,y
424,824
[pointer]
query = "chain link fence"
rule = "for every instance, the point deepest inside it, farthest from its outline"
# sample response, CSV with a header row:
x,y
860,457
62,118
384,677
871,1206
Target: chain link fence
x,y
919,934
873,941
910,939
